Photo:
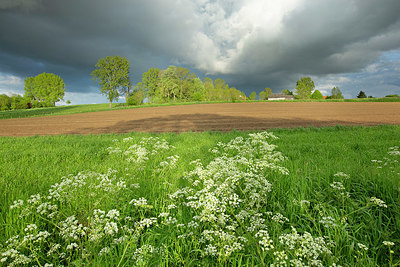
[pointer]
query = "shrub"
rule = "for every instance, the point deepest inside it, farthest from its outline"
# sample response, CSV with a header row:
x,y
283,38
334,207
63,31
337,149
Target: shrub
x,y
5,102
19,102
136,98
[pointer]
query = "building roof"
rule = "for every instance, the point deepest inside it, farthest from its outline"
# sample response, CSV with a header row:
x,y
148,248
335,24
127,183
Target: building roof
x,y
280,96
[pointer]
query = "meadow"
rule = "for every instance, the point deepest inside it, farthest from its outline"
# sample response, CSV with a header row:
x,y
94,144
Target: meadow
x,y
74,109
287,197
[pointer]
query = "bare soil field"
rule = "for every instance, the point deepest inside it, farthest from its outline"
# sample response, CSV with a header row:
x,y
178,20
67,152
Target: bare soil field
x,y
208,117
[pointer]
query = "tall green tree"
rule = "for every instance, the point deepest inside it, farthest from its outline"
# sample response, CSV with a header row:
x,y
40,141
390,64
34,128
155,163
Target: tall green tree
x,y
151,80
304,87
317,95
262,95
209,87
220,84
199,91
184,78
361,94
126,88
267,91
253,96
5,102
111,74
45,87
336,93
169,84
287,92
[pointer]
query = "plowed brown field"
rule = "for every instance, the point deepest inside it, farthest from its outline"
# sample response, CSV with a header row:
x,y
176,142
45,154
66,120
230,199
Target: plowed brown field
x,y
204,117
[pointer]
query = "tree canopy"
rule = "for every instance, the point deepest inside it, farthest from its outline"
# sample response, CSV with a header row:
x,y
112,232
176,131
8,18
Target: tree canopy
x,y
336,93
361,94
253,96
262,95
111,74
45,87
287,92
304,87
180,84
317,95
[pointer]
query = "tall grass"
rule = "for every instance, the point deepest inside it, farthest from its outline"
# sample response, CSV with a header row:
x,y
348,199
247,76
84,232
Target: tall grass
x,y
140,199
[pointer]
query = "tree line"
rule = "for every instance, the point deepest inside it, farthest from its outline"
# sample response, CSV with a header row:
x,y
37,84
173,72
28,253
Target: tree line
x,y
173,84
305,89
43,90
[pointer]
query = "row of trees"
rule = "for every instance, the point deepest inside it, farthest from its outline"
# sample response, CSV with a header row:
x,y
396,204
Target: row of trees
x,y
158,86
43,90
305,89
305,86
179,84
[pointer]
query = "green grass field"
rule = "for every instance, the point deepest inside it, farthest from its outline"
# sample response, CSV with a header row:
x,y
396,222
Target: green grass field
x,y
72,109
322,196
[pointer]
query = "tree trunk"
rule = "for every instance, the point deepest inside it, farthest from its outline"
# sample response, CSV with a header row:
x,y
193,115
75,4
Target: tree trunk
x,y
110,104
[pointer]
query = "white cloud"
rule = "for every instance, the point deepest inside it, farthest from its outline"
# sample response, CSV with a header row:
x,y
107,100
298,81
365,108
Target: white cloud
x,y
83,98
8,79
229,27
11,85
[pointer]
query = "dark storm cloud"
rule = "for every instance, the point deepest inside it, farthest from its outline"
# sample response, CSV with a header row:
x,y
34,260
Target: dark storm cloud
x,y
323,37
20,4
70,36
252,44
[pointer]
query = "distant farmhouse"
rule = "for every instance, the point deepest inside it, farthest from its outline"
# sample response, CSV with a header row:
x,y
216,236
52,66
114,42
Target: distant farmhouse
x,y
280,97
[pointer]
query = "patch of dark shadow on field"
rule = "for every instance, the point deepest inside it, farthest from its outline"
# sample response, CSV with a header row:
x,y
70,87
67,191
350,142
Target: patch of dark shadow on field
x,y
210,122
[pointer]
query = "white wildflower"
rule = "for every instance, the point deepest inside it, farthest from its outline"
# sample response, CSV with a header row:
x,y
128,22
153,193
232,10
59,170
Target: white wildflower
x,y
388,243
111,228
16,204
170,220
279,218
172,206
210,250
338,186
328,222
141,202
72,246
104,251
30,227
341,174
265,241
378,202
53,249
113,214
362,246
163,214
147,222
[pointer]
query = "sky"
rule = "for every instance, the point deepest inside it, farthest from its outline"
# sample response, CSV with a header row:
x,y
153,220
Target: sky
x,y
251,44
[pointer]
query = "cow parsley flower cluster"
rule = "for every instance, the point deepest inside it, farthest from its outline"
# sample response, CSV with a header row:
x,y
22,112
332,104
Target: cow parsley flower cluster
x,y
378,202
309,250
139,153
390,162
227,194
90,225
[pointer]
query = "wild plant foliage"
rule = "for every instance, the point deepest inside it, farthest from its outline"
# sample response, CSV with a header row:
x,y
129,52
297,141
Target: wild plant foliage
x,y
221,211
